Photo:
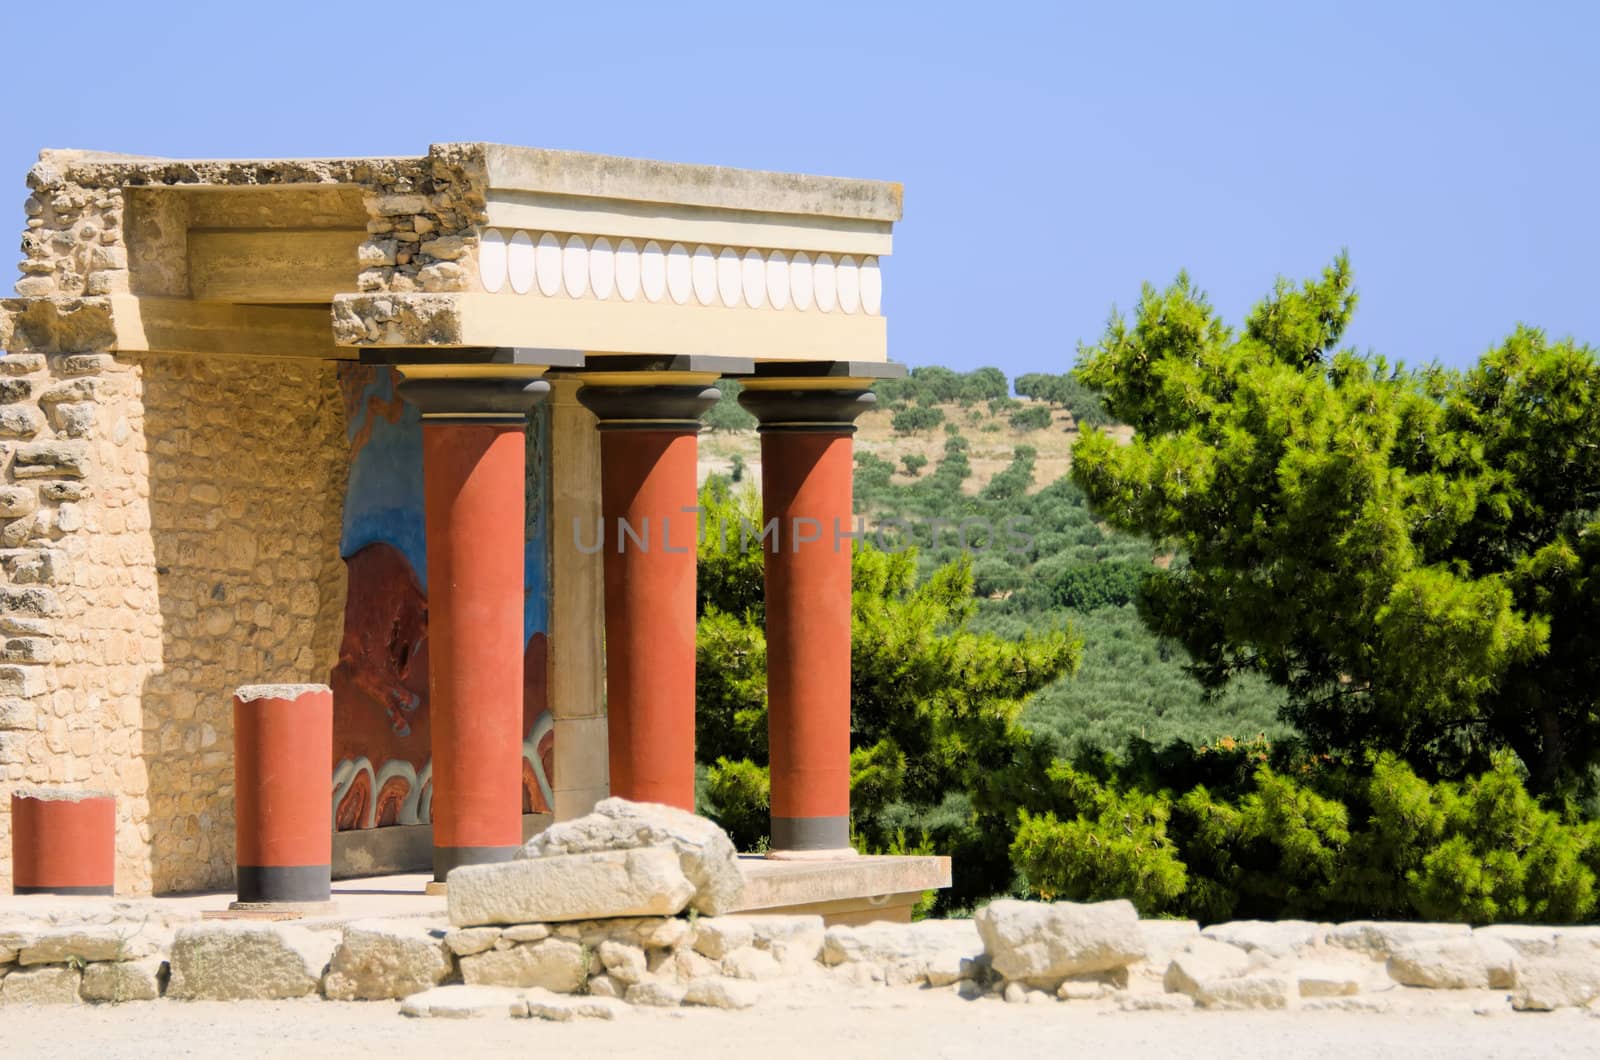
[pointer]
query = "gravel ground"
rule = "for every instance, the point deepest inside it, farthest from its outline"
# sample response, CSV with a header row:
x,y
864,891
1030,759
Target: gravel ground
x,y
902,1024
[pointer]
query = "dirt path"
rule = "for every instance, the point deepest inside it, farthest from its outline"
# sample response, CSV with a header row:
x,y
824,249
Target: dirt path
x,y
904,1025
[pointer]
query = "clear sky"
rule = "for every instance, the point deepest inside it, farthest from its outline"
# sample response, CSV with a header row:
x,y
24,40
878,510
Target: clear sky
x,y
1054,155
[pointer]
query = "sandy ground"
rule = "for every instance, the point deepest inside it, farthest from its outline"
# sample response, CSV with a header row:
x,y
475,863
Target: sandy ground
x,y
902,1024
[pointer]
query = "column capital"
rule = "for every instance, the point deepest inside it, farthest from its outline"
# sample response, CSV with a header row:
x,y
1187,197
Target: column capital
x,y
473,399
650,406
806,410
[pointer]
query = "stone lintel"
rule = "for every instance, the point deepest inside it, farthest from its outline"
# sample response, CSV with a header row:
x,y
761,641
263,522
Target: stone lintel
x,y
812,886
828,369
700,364
408,359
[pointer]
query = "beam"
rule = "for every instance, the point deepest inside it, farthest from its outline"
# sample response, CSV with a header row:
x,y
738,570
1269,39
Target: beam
x,y
297,266
178,325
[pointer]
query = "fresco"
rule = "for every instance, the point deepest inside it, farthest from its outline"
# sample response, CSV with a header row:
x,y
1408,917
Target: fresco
x,y
381,767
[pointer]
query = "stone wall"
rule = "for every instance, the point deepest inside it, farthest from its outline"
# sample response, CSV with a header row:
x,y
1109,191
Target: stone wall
x,y
170,531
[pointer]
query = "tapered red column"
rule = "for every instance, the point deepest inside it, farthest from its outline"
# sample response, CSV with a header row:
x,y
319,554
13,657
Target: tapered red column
x,y
806,487
473,467
648,451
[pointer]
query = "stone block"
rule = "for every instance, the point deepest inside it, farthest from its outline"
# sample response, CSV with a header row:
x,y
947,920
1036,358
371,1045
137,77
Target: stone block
x,y
379,959
1461,962
13,389
1276,938
558,965
1379,939
466,941
117,981
22,682
623,962
21,363
18,715
466,1002
1548,983
86,943
29,601
16,501
1203,960
655,993
722,993
50,985
563,1008
1324,979
56,459
1052,940
606,883
1246,992
20,421
235,961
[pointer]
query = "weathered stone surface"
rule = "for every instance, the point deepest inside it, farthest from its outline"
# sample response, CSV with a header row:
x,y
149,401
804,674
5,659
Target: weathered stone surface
x,y
1155,1002
623,962
751,963
558,965
1455,963
1327,979
1092,987
49,985
716,937
95,942
706,854
1201,961
1276,938
526,932
1163,938
564,1008
379,959
1526,939
117,981
722,993
605,986
1379,939
232,961
466,1002
640,882
937,952
51,460
1548,983
466,941
1037,940
1249,991
654,993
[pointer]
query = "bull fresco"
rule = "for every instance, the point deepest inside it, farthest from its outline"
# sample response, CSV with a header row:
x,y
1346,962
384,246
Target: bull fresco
x,y
381,754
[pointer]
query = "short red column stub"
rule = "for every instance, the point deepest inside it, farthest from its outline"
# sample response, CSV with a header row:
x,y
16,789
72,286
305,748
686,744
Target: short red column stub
x,y
283,744
63,842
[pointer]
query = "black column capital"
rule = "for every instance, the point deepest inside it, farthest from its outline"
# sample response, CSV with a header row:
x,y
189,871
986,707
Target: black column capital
x,y
479,399
649,407
830,411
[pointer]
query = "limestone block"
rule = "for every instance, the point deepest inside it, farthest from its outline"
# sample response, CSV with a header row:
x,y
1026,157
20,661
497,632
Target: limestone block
x,y
722,993
29,601
49,985
17,501
1526,939
1039,941
445,248
526,932
654,993
1246,992
1328,979
1276,938
1163,938
623,962
642,882
398,204
706,854
56,459
1457,963
1379,939
117,981
466,1002
716,937
466,941
564,1008
1155,1002
1548,983
605,986
24,682
20,421
14,390
1201,961
1095,986
937,952
237,961
379,959
751,963
94,942
559,965
18,715
687,965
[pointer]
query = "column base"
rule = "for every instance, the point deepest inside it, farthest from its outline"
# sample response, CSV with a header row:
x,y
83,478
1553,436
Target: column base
x,y
283,884
100,891
801,835
837,854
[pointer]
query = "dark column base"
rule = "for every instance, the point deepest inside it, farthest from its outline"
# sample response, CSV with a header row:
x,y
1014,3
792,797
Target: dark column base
x,y
447,858
285,883
75,892
810,833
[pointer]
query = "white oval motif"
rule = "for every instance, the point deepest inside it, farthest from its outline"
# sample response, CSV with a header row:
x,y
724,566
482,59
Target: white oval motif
x,y
800,280
730,283
519,262
492,259
753,278
602,268
628,270
575,266
653,271
705,275
778,279
848,278
679,283
871,286
825,282
547,258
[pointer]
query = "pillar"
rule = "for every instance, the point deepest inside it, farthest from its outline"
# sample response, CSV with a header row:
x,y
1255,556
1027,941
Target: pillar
x,y
63,842
473,468
806,481
282,745
648,491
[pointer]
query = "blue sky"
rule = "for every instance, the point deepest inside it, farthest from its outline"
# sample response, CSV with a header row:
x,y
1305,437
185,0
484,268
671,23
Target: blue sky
x,y
1054,155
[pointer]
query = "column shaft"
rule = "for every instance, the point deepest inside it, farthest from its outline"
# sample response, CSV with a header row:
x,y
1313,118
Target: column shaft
x,y
473,507
806,486
648,479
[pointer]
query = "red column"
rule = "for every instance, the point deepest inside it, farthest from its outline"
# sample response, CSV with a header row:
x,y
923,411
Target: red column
x,y
648,452
806,483
282,743
63,842
473,465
